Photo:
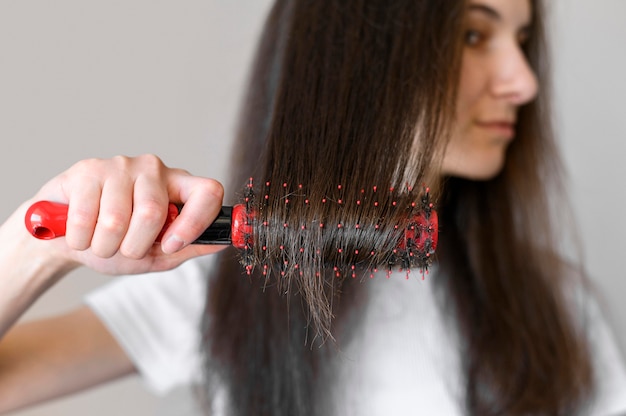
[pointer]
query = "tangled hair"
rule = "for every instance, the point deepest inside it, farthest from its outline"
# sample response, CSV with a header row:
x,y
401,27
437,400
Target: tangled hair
x,y
345,96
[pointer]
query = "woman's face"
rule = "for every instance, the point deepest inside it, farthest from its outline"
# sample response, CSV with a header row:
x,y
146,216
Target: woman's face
x,y
496,80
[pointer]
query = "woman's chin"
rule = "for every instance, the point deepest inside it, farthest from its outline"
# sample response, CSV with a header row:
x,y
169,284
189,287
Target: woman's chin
x,y
482,170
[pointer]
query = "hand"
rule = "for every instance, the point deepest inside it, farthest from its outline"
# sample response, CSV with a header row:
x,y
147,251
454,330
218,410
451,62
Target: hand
x,y
117,208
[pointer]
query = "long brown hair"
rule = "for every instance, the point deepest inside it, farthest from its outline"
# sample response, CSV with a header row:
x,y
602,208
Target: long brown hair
x,y
346,95
523,350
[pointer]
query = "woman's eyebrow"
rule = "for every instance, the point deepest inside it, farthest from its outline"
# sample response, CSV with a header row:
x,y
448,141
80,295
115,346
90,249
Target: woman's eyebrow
x,y
492,13
483,8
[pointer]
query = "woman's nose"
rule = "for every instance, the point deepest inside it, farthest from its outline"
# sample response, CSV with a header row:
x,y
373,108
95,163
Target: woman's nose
x,y
514,79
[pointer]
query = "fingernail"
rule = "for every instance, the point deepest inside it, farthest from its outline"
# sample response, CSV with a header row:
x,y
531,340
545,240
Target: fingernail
x,y
173,244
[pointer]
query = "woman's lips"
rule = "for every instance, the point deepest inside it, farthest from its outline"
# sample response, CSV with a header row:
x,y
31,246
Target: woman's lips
x,y
504,128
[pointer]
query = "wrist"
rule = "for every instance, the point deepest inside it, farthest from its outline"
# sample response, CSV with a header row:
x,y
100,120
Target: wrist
x,y
28,267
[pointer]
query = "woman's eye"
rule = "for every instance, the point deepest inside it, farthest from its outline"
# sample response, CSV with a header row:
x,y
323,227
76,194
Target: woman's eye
x,y
473,37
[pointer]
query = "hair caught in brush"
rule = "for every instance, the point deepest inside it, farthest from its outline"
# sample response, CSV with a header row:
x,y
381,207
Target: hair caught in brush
x,y
344,167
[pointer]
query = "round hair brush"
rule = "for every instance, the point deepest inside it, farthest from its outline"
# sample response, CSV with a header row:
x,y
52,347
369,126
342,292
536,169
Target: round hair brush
x,y
288,232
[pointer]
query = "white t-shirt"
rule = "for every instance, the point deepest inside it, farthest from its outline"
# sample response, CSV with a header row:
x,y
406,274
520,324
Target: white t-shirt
x,y
403,359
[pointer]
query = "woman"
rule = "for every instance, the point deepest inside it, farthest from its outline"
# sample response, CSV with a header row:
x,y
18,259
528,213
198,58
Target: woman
x,y
453,87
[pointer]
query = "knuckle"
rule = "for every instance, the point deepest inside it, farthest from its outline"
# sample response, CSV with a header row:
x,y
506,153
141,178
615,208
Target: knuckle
x,y
150,211
121,161
151,161
132,251
86,165
214,188
81,219
113,222
181,172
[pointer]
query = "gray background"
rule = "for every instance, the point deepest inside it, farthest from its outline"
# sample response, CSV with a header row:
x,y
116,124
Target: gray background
x,y
85,79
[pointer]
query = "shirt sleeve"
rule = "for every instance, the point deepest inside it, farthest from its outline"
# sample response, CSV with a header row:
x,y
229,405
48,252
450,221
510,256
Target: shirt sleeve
x,y
156,319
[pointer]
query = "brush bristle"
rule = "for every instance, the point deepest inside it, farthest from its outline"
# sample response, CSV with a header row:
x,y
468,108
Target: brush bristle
x,y
295,231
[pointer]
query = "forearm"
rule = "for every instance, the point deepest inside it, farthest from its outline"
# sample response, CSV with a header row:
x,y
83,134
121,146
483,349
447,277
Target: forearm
x,y
56,357
27,269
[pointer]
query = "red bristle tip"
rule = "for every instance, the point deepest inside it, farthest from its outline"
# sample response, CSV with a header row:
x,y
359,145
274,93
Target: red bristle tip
x,y
377,226
267,183
427,190
267,197
338,186
391,189
393,203
321,225
356,251
299,186
340,250
247,199
264,248
375,187
296,266
323,200
265,223
335,268
282,247
339,202
306,201
285,225
372,253
286,200
376,203
303,227
412,204
284,184
357,226
339,225
301,250
358,202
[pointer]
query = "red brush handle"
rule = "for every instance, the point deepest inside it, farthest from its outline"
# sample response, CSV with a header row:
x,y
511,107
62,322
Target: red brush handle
x,y
47,220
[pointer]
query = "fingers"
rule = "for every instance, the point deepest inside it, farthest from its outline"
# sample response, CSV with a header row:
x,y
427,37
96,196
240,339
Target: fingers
x,y
116,206
149,211
119,206
202,199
